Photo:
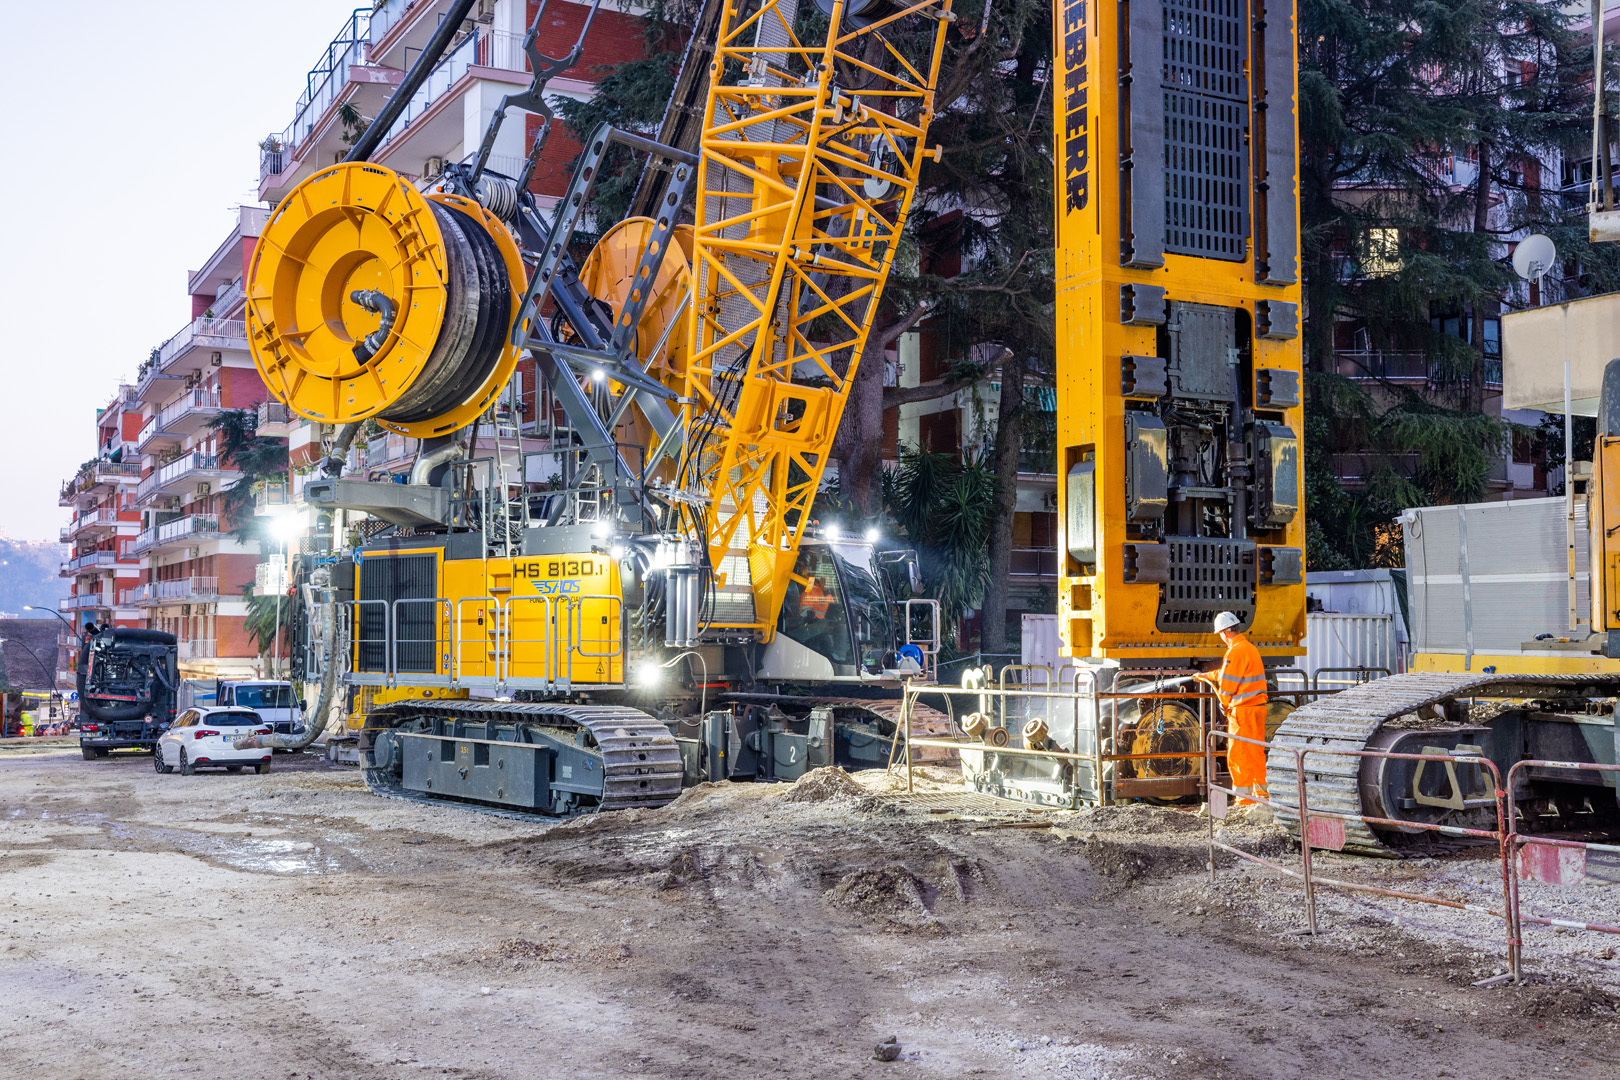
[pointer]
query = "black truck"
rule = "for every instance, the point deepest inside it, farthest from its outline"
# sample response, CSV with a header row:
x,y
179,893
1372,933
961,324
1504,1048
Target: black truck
x,y
128,683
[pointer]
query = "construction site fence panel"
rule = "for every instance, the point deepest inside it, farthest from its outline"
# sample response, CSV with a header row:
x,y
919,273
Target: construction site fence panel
x,y
1546,859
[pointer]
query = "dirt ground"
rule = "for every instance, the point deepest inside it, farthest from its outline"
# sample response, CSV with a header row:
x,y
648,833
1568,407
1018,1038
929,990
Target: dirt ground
x,y
294,926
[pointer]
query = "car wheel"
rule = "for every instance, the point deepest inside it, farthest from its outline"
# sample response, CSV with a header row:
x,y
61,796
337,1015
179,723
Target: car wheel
x,y
89,752
262,767
185,765
233,768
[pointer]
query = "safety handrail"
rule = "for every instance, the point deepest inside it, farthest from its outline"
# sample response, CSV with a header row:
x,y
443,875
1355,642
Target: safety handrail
x,y
929,646
440,659
1278,673
352,607
1001,684
576,627
494,608
548,654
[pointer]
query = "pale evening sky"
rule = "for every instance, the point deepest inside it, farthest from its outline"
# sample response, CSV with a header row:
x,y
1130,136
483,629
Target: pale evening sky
x,y
130,132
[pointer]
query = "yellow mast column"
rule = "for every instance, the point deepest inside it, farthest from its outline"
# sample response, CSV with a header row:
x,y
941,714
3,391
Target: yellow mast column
x,y
1179,383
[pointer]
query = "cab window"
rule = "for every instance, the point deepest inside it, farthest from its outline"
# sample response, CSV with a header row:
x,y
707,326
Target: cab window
x,y
262,697
869,613
813,610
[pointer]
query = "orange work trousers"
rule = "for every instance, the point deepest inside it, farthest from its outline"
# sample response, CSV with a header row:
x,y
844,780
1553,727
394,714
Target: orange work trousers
x,y
1246,761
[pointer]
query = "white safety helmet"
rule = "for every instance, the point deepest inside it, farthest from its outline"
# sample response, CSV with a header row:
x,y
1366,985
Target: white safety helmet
x,y
1226,621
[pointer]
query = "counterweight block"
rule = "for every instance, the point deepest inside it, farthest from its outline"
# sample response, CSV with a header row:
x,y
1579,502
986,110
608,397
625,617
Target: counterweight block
x,y
369,300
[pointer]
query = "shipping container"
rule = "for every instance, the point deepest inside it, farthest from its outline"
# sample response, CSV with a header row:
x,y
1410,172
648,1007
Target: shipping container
x,y
1485,579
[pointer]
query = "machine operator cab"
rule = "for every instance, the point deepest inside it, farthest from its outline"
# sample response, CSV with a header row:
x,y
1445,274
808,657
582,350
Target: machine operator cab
x,y
844,616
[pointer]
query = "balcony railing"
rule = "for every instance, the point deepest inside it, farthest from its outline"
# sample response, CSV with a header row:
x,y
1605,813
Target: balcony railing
x,y
186,590
81,601
116,472
273,412
227,298
387,449
1034,562
1400,366
1357,467
187,412
151,431
322,85
90,560
204,334
197,649
96,519
483,48
384,18
180,530
272,495
177,473
154,382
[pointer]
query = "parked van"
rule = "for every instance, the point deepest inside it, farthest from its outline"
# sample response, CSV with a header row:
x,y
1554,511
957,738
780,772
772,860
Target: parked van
x,y
272,700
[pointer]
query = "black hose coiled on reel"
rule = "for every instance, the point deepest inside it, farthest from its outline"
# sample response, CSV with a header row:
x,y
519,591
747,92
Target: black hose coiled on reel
x,y
478,311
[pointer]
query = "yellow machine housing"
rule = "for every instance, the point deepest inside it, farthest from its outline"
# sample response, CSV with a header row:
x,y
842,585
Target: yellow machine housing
x,y
1178,305
425,618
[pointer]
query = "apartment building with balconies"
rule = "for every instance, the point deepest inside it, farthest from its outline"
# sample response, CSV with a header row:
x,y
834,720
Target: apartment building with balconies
x,y
445,119
101,531
193,569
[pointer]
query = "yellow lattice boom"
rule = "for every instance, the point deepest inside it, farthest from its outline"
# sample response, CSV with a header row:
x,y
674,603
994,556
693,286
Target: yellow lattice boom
x,y
809,162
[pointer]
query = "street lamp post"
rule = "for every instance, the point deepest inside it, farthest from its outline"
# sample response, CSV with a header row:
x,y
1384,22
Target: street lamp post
x,y
58,614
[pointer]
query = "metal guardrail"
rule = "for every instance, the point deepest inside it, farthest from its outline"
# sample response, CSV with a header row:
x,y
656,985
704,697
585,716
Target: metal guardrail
x,y
1325,829
472,642
1362,675
1078,709
190,527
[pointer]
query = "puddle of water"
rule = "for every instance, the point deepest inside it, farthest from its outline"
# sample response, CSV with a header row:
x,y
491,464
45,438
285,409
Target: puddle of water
x,y
278,857
258,856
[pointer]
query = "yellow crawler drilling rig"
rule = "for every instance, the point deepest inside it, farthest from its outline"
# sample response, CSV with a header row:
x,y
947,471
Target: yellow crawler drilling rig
x,y
1179,422
703,370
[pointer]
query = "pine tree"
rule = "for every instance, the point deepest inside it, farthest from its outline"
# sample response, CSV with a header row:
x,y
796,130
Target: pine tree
x,y
1423,126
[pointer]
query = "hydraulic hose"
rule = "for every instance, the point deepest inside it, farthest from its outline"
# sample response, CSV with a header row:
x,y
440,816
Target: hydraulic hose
x,y
337,648
373,301
414,78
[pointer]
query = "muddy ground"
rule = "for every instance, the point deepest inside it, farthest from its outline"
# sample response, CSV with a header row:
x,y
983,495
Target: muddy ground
x,y
294,926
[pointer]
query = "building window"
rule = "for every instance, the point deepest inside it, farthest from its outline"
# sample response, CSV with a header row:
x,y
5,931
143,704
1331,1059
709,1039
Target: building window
x,y
1381,252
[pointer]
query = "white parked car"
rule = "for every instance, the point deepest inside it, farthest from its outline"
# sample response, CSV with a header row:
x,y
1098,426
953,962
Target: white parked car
x,y
202,737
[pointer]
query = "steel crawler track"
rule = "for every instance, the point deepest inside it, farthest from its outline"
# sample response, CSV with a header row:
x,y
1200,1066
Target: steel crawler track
x,y
1349,719
641,762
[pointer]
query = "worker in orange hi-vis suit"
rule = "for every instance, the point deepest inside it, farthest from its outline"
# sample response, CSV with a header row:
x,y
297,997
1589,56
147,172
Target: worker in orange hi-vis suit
x,y
1241,686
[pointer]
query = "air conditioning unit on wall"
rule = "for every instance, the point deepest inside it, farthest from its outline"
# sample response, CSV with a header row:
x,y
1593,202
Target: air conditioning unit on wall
x,y
204,490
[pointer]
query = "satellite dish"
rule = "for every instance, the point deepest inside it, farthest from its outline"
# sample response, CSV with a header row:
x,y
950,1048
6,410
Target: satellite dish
x,y
1534,256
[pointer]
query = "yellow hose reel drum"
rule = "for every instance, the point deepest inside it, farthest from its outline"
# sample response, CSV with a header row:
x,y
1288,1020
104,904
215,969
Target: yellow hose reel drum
x,y
609,274
368,300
